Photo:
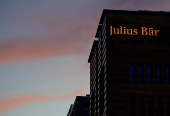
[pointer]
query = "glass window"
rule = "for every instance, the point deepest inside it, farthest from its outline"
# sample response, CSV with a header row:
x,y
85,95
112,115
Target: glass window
x,y
131,70
140,70
140,79
131,79
167,80
158,80
131,73
158,71
149,80
167,71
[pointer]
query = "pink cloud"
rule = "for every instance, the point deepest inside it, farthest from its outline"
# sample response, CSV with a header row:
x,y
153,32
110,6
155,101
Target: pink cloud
x,y
67,38
16,102
13,103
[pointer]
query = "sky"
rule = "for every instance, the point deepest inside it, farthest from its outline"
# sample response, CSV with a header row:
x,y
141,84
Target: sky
x,y
44,50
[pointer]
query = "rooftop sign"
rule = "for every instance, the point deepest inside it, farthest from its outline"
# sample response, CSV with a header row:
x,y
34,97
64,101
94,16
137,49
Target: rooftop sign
x,y
125,31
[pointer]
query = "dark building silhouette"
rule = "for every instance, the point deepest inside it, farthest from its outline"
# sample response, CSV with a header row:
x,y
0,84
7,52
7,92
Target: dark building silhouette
x,y
80,106
129,64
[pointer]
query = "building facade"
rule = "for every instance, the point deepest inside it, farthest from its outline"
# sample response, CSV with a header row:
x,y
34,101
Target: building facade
x,y
129,64
80,106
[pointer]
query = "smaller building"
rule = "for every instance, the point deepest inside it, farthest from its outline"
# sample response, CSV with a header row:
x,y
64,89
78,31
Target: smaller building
x,y
80,107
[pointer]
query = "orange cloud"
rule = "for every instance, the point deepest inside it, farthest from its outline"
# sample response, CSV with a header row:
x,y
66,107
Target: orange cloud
x,y
20,50
16,102
12,103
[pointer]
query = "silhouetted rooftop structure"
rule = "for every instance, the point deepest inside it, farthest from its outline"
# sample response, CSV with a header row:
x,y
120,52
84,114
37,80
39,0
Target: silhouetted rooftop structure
x,y
80,106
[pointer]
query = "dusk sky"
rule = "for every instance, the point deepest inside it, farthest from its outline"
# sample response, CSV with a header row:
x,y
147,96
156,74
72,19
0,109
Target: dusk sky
x,y
44,49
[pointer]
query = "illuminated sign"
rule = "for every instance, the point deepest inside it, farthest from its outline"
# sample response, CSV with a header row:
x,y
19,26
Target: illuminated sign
x,y
124,31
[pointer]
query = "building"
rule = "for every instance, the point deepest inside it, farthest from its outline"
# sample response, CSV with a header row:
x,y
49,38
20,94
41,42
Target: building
x,y
80,107
129,64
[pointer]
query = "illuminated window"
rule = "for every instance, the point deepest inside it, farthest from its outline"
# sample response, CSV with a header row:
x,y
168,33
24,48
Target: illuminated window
x,y
158,80
140,70
149,71
131,73
140,79
131,79
167,80
131,70
149,80
167,71
167,74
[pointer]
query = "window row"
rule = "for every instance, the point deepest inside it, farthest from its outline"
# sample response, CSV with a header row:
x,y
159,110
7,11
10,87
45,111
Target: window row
x,y
149,41
149,70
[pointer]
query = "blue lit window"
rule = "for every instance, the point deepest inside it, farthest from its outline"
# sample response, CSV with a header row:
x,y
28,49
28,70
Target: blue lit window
x,y
158,80
167,74
131,70
158,71
167,71
140,79
149,80
167,80
140,70
149,70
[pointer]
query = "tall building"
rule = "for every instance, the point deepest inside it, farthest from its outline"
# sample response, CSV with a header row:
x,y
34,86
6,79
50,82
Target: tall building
x,y
80,106
129,64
